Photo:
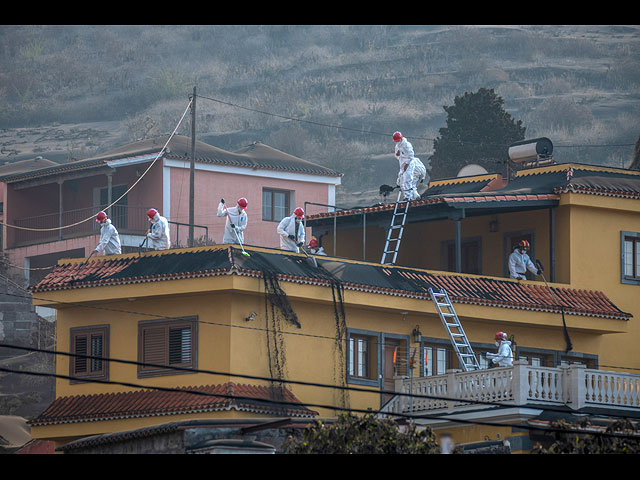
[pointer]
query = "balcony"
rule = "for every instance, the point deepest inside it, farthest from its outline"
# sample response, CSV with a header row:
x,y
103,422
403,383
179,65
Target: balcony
x,y
574,386
128,220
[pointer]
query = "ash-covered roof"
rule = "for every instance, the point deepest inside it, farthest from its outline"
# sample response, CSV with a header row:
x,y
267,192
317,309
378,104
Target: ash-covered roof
x,y
531,187
352,275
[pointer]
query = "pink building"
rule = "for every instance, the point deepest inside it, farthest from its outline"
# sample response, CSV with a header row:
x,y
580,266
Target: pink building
x,y
39,200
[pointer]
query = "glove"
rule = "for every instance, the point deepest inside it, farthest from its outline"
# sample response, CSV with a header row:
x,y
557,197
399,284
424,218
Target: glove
x,y
233,226
538,272
299,244
292,237
222,200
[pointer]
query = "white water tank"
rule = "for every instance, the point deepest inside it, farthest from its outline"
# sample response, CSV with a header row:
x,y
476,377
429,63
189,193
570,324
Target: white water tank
x,y
530,150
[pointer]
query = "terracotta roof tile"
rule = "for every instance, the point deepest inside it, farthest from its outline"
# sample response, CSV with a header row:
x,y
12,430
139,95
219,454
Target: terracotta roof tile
x,y
195,399
362,276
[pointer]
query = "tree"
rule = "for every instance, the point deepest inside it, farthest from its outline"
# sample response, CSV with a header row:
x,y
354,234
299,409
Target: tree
x,y
362,435
621,436
478,131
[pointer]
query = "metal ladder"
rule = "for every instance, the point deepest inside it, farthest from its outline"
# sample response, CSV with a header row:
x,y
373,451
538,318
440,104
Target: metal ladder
x,y
398,211
456,333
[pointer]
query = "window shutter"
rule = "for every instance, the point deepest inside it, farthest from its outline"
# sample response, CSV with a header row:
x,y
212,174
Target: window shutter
x,y
179,345
80,348
168,343
153,345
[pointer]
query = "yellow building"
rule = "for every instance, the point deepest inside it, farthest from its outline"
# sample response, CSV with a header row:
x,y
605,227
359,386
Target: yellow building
x,y
279,334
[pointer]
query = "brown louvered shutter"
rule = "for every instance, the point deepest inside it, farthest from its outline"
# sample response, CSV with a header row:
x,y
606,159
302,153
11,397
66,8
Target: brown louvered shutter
x,y
166,343
90,341
80,348
154,345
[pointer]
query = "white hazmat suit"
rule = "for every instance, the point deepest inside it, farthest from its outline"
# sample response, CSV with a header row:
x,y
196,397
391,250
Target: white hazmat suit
x,y
412,170
159,234
287,229
109,239
519,263
237,217
504,357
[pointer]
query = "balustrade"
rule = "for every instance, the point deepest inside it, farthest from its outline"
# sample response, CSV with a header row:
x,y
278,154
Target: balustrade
x,y
522,384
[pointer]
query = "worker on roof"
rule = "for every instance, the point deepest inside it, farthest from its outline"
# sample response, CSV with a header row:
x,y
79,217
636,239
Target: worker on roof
x,y
236,221
412,170
291,231
504,357
314,247
158,230
109,238
519,262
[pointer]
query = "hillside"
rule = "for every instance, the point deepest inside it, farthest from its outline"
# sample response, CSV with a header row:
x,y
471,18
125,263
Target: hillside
x,y
74,91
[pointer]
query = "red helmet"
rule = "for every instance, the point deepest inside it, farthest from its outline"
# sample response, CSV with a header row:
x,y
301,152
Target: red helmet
x,y
313,243
101,217
299,212
152,213
524,244
243,202
501,336
397,137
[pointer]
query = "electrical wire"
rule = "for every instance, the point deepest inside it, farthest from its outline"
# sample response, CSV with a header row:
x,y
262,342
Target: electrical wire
x,y
116,201
412,416
163,317
339,127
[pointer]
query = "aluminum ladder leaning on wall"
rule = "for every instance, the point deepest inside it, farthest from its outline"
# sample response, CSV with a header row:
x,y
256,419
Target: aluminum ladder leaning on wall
x,y
454,328
400,215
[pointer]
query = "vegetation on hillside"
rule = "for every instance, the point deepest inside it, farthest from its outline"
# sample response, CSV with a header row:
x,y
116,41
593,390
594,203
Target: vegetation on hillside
x,y
572,84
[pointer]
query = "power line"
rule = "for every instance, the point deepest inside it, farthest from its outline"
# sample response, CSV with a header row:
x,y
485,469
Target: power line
x,y
116,201
163,317
339,127
280,403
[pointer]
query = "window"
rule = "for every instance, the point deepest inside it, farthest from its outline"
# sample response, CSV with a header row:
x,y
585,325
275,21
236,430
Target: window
x,y
471,256
275,204
362,358
437,358
93,342
166,343
630,257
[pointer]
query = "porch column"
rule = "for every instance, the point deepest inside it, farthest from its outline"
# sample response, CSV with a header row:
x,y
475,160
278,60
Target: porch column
x,y
109,188
552,245
60,208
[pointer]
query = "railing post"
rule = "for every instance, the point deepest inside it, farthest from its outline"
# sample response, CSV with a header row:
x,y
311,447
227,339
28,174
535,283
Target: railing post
x,y
451,387
577,387
520,382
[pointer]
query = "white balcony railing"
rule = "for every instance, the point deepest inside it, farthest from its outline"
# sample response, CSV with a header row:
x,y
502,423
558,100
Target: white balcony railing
x,y
521,385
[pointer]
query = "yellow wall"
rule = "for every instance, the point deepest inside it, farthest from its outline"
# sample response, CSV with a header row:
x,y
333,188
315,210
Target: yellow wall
x,y
228,343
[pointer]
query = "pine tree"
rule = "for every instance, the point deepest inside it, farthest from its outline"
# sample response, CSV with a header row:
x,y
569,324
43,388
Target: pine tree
x,y
478,131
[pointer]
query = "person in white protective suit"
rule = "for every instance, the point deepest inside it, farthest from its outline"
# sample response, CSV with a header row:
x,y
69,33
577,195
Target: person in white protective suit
x,y
236,221
412,170
519,262
158,230
314,247
504,357
291,231
109,237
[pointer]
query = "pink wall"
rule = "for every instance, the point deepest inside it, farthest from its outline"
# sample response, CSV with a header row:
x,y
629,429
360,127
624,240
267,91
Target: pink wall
x,y
210,187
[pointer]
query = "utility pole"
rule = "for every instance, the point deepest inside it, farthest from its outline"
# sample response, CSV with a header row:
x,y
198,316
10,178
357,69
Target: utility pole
x,y
192,167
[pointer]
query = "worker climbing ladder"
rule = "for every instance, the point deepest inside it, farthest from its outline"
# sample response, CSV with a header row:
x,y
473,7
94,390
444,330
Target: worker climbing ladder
x,y
457,336
394,234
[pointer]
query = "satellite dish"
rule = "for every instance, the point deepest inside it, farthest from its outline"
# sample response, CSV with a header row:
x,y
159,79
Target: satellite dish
x,y
472,169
